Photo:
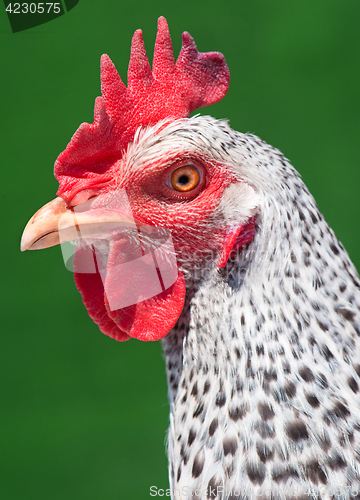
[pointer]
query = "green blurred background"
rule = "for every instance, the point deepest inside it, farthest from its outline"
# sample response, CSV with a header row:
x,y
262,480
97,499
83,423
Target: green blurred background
x,y
82,416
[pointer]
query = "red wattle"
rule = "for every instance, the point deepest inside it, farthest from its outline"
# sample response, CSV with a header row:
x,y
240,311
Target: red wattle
x,y
152,319
147,317
91,289
135,298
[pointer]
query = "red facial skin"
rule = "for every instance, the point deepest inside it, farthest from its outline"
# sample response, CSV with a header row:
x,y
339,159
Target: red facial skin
x,y
154,202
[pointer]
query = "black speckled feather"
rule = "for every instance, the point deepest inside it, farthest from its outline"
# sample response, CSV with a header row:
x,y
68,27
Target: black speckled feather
x,y
264,363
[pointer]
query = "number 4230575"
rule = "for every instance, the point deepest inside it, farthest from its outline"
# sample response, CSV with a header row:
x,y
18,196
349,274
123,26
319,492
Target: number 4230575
x,y
34,8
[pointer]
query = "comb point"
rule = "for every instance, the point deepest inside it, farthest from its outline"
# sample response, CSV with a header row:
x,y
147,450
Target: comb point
x,y
139,72
112,87
163,62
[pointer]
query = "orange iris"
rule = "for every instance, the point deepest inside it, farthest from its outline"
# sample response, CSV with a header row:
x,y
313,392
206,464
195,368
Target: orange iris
x,y
185,179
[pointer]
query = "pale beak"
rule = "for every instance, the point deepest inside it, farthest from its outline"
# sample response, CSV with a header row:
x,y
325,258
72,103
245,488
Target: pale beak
x,y
54,224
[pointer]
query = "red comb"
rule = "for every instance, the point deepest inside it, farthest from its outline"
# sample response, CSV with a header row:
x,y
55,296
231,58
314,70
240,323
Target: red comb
x,y
171,90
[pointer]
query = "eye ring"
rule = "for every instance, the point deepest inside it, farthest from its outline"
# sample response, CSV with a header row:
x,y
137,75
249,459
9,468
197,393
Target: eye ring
x,y
185,179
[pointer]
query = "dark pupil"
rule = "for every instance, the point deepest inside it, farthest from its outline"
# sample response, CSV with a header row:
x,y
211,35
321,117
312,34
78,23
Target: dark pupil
x,y
184,179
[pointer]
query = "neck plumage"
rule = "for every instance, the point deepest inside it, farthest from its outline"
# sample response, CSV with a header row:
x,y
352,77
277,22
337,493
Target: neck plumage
x,y
254,362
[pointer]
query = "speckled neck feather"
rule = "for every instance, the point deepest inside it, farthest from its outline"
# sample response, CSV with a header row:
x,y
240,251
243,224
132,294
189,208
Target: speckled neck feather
x,y
264,363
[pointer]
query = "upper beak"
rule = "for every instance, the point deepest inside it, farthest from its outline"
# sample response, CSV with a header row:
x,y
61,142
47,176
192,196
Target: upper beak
x,y
54,224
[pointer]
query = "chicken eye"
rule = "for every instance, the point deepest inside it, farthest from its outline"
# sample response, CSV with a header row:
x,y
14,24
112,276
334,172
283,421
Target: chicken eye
x,y
185,179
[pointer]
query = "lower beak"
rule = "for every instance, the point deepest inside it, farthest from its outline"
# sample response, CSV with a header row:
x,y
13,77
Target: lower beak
x,y
54,224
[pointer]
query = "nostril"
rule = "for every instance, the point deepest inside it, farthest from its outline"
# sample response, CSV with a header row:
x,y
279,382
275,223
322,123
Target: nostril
x,y
82,197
